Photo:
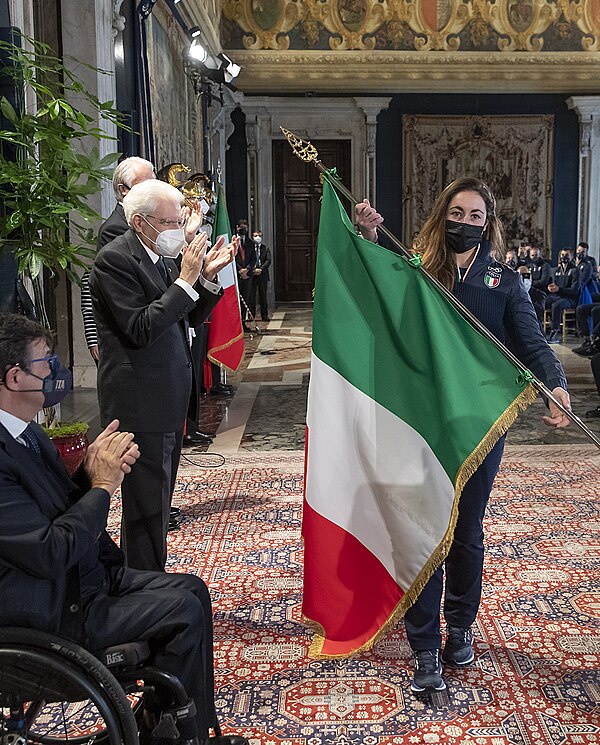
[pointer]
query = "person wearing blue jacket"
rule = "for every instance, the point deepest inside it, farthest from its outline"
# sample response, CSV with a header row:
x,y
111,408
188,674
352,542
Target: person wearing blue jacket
x,y
461,244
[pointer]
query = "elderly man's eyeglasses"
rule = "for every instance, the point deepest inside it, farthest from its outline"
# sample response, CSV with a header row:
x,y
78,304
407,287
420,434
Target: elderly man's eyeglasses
x,y
168,223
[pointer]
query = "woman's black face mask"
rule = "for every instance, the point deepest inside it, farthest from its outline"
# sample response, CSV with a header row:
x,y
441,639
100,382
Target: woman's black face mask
x,y
462,237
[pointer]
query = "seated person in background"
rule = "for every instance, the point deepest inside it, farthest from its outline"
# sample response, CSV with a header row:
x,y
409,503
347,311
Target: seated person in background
x,y
583,249
59,569
563,292
538,298
587,275
540,277
523,254
595,413
511,259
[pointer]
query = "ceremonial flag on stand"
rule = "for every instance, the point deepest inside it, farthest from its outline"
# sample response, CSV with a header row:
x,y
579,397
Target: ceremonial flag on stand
x,y
225,335
406,398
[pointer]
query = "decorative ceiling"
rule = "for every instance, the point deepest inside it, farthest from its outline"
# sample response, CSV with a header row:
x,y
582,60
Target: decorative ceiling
x,y
414,45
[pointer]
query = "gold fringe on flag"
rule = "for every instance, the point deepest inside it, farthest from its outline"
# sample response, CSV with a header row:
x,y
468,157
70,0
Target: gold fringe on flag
x,y
527,396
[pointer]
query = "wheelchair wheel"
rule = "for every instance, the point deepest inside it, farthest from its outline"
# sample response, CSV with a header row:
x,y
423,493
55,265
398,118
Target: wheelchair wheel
x,y
52,691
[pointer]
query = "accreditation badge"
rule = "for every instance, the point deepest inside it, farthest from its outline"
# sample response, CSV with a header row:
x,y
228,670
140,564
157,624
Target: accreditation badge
x,y
492,276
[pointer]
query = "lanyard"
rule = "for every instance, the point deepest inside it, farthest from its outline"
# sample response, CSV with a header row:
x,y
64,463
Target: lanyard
x,y
464,276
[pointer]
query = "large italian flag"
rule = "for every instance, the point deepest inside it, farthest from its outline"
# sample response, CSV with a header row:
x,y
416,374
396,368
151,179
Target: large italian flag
x,y
405,401
225,335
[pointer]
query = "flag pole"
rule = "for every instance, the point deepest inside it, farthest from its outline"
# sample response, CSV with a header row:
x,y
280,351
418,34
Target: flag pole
x,y
307,152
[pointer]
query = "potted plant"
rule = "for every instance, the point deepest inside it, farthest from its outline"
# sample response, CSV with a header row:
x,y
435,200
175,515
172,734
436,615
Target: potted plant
x,y
49,163
71,442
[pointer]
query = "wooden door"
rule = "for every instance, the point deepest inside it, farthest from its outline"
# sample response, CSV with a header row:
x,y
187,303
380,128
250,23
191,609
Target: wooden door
x,y
297,193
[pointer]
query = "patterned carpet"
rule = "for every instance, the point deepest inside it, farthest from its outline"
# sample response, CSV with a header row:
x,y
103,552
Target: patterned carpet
x,y
537,672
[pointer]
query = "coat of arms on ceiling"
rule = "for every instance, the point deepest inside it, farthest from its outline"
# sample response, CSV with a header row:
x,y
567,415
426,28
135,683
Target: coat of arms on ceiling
x,y
417,25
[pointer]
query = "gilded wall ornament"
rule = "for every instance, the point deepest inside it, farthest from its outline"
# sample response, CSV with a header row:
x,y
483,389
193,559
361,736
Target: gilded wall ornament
x,y
436,25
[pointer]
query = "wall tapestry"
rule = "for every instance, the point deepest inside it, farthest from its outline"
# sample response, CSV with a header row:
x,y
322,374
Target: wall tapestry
x,y
512,154
172,95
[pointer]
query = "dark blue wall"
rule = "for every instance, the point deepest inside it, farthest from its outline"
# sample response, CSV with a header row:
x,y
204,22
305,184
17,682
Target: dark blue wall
x,y
566,150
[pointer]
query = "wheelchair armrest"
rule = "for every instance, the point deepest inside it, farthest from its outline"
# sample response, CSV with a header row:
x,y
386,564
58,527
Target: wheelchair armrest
x,y
129,654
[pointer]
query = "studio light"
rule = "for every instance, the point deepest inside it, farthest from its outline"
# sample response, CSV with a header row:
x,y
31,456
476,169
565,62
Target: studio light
x,y
200,63
230,69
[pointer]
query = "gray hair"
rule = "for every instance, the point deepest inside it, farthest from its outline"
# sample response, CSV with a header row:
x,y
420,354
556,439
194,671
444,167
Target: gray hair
x,y
126,173
143,198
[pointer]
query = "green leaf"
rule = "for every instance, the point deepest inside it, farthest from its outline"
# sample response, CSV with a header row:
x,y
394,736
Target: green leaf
x,y
35,266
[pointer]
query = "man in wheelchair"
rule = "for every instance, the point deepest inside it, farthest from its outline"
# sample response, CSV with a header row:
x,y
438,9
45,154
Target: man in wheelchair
x,y
60,571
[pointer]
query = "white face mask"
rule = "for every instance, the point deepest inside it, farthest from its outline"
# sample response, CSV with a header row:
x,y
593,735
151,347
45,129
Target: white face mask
x,y
527,284
168,243
257,240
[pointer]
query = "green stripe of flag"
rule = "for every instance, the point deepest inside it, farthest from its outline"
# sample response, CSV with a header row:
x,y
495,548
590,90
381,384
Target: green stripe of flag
x,y
384,327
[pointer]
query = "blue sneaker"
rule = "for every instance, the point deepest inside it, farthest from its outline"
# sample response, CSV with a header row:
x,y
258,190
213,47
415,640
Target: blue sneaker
x,y
458,651
428,671
554,337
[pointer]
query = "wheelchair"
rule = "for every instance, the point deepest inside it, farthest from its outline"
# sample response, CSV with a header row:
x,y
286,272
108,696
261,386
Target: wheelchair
x,y
52,691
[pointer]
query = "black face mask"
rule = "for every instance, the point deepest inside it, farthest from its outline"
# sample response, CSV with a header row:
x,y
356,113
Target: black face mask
x,y
512,263
242,231
564,259
581,256
462,237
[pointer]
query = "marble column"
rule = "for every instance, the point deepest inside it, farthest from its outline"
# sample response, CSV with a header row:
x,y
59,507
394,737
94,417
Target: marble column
x,y
88,34
371,107
588,111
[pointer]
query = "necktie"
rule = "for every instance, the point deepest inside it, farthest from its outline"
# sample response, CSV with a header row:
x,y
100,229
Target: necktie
x,y
31,439
162,268
242,252
258,257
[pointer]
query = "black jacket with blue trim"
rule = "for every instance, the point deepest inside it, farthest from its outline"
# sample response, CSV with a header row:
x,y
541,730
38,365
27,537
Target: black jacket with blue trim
x,y
494,293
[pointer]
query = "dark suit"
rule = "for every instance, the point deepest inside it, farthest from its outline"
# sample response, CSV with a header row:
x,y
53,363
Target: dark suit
x,y
263,262
61,572
114,225
245,259
144,380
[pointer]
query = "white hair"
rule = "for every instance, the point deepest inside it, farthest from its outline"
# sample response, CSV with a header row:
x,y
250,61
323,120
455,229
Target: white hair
x,y
143,198
126,173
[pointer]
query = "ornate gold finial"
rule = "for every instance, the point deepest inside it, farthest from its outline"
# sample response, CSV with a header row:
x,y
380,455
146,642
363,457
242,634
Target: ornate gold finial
x,y
303,149
172,174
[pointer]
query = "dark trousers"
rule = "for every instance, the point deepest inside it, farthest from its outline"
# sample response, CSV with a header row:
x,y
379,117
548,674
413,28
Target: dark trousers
x,y
595,360
464,565
538,298
559,304
198,351
173,613
260,286
583,313
147,492
246,290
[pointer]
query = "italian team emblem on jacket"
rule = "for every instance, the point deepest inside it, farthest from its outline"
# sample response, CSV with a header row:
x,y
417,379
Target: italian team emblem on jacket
x,y
492,276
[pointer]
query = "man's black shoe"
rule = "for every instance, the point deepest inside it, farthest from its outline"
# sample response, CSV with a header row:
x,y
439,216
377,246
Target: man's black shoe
x,y
174,512
173,525
593,413
197,438
224,740
428,671
221,390
458,651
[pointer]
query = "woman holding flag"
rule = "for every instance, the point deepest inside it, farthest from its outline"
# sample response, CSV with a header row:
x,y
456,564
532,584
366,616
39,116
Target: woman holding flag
x,y
461,244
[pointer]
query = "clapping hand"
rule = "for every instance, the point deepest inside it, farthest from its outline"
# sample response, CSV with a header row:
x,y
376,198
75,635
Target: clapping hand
x,y
194,221
219,257
110,457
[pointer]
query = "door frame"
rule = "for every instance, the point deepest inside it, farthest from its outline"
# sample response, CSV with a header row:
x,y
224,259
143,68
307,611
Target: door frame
x,y
353,119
